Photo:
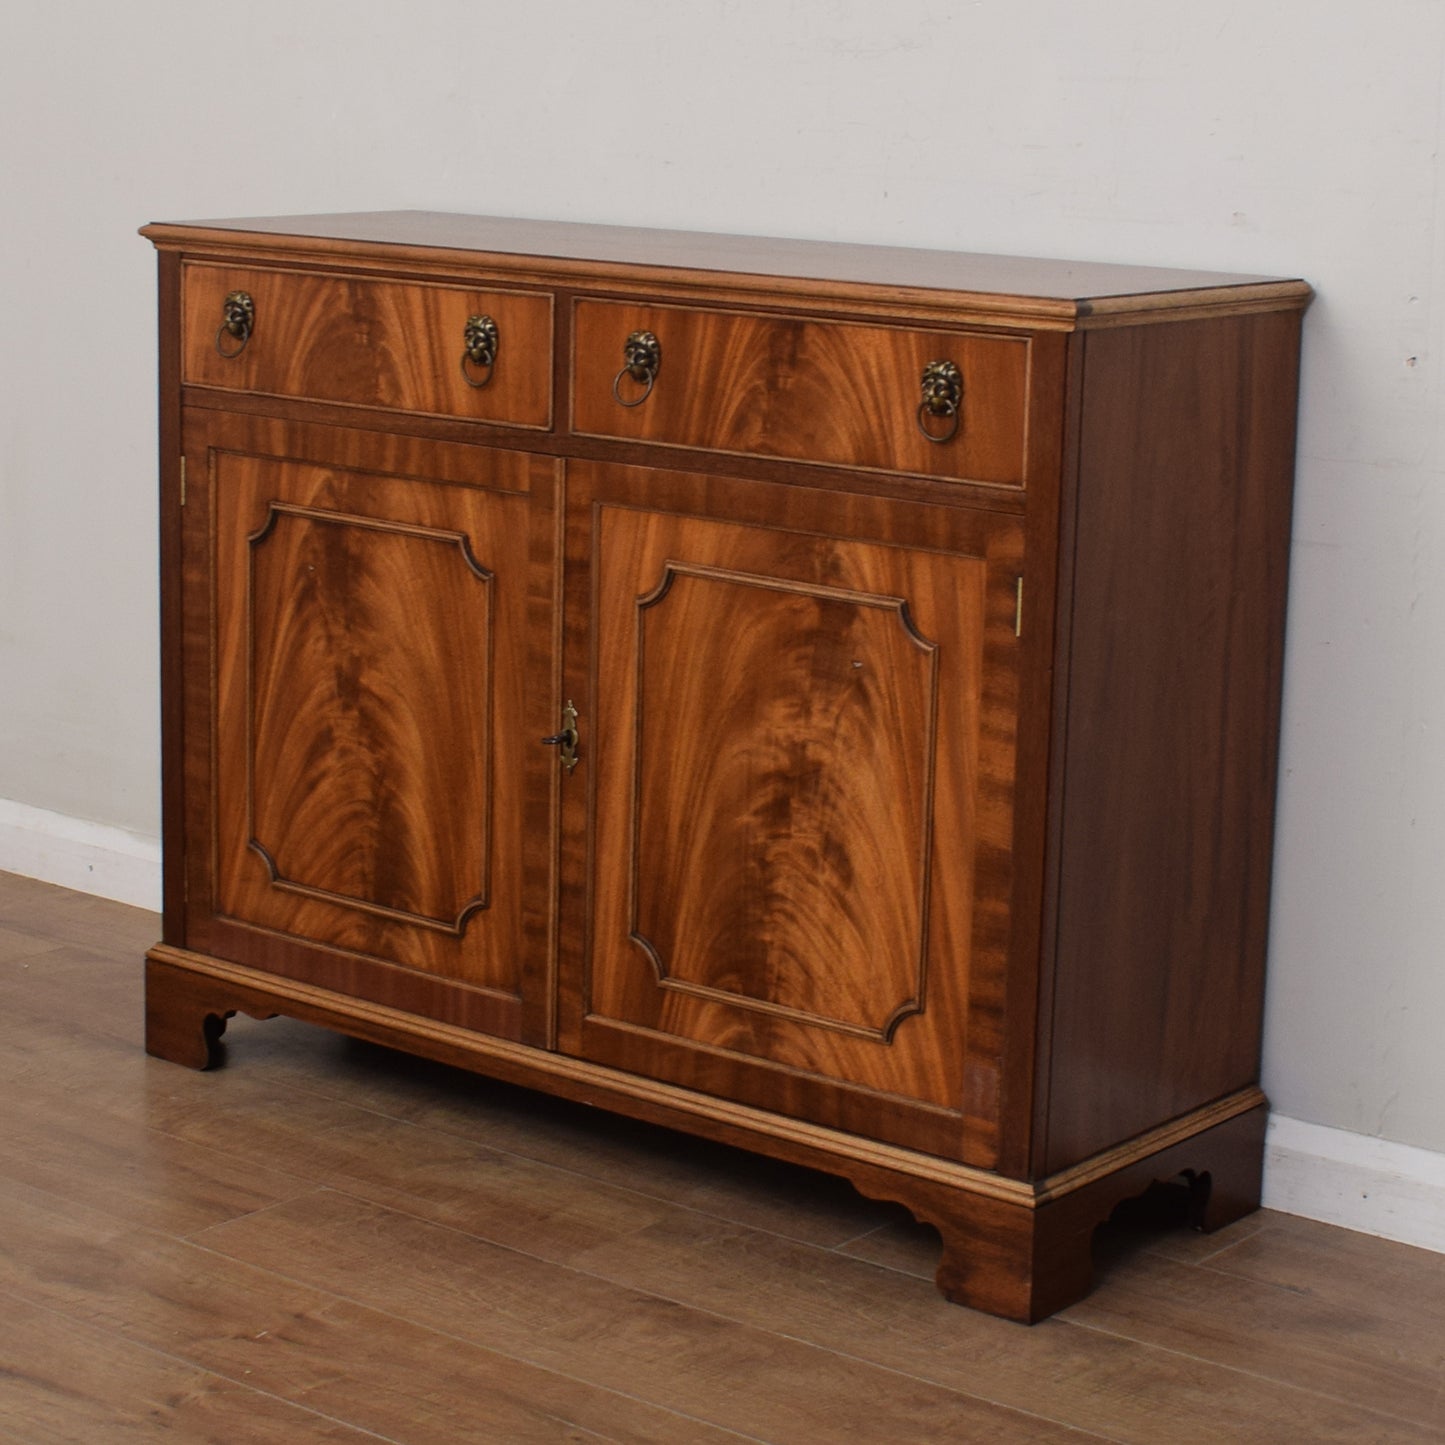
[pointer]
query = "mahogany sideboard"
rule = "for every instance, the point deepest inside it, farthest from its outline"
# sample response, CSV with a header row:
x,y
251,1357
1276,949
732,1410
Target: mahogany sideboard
x,y
819,697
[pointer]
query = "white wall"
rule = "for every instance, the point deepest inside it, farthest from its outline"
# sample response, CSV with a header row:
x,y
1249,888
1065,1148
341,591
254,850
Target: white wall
x,y
1283,137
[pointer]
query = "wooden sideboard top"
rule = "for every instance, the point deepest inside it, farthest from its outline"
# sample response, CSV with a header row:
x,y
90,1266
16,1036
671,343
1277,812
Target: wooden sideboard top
x,y
1061,292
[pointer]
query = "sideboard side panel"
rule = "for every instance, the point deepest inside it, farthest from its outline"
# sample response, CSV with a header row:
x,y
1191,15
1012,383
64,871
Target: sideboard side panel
x,y
1165,840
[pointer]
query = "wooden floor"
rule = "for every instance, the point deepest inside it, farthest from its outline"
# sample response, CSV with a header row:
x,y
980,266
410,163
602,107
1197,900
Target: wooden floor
x,y
327,1241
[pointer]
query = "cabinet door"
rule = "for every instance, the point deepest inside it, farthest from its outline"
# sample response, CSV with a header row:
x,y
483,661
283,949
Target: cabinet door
x,y
367,630
799,763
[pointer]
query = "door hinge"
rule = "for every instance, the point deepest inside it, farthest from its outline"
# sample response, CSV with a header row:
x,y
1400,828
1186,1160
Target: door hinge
x,y
1019,608
183,481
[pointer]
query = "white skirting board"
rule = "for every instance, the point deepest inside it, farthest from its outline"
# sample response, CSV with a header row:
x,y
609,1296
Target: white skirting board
x,y
1372,1185
89,857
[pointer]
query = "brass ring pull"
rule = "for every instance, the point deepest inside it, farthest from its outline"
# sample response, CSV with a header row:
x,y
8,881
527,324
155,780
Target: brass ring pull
x,y
643,360
942,396
479,347
238,320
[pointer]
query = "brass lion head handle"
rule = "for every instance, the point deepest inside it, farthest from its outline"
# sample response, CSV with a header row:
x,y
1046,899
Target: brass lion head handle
x,y
479,348
642,360
238,320
942,397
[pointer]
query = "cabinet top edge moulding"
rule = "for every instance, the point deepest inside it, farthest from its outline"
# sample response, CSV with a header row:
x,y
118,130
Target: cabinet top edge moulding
x,y
1033,291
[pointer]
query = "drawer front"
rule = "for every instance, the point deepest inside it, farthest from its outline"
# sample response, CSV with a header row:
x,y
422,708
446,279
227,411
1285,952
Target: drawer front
x,y
365,342
819,391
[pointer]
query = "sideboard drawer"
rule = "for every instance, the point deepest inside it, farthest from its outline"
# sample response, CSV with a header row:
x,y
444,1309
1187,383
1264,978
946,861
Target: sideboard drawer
x,y
827,392
364,342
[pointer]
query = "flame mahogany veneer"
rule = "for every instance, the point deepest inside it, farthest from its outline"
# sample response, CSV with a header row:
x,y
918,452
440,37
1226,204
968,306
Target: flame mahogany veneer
x,y
920,823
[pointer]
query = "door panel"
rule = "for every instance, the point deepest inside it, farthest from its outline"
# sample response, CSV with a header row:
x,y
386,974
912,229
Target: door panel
x,y
369,770
773,835
801,761
375,777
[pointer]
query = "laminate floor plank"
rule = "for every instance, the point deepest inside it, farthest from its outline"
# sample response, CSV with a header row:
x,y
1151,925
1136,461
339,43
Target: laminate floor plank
x,y
447,1178
259,1130
74,993
17,945
680,1170
1190,1246
69,917
899,1243
433,1174
45,981
1356,1320
90,1074
63,1383
387,1376
675,1354
1141,1394
137,1173
1398,1289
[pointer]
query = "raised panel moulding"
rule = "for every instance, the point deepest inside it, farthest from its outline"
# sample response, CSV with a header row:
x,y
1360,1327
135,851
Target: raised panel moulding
x,y
776,753
294,825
